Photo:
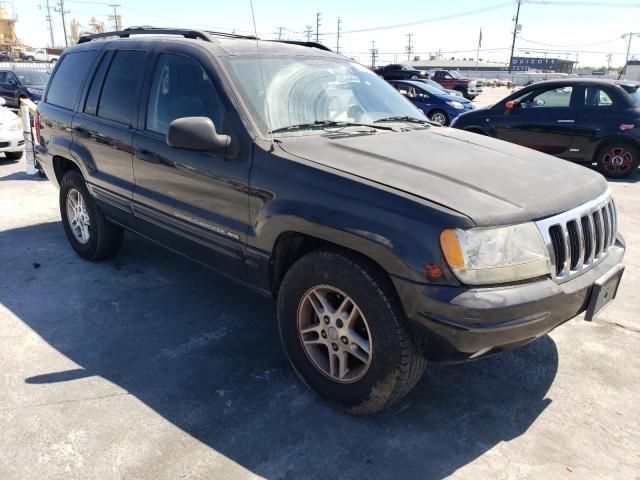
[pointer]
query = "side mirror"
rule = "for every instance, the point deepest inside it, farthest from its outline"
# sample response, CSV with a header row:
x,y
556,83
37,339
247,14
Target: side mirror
x,y
196,133
511,105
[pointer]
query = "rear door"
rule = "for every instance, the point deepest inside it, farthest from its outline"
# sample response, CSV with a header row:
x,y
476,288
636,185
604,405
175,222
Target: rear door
x,y
103,129
192,201
544,120
599,115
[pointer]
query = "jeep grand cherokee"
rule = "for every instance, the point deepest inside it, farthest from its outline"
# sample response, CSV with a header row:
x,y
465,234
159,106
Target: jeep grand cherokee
x,y
386,241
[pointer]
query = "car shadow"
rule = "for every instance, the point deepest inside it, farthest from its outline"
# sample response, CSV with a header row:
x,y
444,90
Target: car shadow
x,y
21,176
203,352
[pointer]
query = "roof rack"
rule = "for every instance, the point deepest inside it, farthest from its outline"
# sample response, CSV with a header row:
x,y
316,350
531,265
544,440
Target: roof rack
x,y
146,30
305,44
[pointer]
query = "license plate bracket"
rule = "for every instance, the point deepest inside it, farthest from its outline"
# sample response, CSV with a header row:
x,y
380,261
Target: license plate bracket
x,y
603,292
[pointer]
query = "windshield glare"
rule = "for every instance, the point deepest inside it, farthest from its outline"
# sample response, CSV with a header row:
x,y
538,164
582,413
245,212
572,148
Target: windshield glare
x,y
32,78
301,90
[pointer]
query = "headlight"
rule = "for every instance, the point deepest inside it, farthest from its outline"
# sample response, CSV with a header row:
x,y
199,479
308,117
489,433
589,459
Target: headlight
x,y
457,105
35,91
15,124
480,256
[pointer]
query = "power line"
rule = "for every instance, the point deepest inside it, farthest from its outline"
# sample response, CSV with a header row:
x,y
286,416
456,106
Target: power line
x,y
583,4
569,46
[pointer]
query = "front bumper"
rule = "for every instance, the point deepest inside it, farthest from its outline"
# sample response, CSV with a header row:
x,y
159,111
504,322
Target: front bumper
x,y
453,324
11,141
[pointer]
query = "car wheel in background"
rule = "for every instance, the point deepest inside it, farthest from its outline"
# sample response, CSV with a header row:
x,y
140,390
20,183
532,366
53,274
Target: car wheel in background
x,y
345,332
91,235
438,116
617,160
13,155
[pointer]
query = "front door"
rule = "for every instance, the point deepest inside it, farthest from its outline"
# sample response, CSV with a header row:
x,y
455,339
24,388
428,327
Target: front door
x,y
543,119
192,201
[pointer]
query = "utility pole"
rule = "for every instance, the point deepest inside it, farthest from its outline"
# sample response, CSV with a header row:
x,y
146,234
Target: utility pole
x,y
629,35
318,27
280,29
515,32
49,20
409,48
308,32
338,37
60,9
609,58
115,15
374,54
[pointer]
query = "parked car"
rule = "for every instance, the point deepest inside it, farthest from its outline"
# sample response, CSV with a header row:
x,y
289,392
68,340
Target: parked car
x,y
453,80
11,136
437,105
401,72
4,56
22,83
440,87
583,120
384,239
39,55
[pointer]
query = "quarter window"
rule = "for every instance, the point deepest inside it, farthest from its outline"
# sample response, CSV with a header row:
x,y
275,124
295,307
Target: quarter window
x,y
181,88
68,78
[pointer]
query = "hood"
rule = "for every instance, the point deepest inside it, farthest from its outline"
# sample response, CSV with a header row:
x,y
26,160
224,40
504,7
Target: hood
x,y
490,181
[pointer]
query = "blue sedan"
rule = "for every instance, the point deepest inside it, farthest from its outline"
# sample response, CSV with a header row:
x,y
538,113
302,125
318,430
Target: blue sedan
x,y
436,104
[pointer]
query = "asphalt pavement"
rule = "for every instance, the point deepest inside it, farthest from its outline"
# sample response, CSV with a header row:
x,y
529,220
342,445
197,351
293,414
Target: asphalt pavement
x,y
149,366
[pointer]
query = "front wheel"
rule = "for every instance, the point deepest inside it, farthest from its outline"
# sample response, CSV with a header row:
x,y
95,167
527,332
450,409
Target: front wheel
x,y
439,117
617,160
90,234
345,333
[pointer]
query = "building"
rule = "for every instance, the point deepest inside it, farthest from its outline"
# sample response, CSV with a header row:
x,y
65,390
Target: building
x,y
632,70
8,39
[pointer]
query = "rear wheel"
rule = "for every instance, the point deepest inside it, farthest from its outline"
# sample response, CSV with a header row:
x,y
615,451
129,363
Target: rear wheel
x,y
439,116
345,333
617,160
90,234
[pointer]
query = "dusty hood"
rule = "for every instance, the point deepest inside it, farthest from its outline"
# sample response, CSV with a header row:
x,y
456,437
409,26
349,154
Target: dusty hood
x,y
490,181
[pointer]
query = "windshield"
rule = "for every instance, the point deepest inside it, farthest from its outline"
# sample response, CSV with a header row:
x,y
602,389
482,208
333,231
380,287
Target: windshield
x,y
35,77
307,90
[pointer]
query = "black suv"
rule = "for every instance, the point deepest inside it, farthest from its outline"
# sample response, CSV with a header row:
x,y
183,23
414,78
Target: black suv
x,y
386,240
401,72
594,121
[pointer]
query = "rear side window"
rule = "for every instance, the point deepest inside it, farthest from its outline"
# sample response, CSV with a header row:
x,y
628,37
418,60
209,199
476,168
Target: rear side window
x,y
68,78
121,85
596,97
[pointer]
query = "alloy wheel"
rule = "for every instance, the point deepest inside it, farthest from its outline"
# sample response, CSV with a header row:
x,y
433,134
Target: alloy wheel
x,y
78,216
334,334
617,159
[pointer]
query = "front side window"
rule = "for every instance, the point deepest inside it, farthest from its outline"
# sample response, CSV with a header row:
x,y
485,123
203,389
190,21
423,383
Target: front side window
x,y
121,85
181,88
291,90
551,98
69,78
596,97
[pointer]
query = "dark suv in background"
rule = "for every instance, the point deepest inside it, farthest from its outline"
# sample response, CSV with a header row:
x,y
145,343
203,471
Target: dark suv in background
x,y
594,121
385,240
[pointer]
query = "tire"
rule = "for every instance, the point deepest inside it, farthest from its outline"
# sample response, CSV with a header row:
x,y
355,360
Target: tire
x,y
13,155
617,160
394,363
439,116
104,238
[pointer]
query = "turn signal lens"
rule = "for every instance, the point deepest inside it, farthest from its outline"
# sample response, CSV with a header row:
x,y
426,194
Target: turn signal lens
x,y
451,248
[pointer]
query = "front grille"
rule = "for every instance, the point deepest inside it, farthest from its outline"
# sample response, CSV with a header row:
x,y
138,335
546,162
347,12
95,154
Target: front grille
x,y
4,144
580,238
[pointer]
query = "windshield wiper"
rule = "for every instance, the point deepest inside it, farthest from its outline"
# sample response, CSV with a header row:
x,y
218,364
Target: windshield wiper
x,y
405,118
325,124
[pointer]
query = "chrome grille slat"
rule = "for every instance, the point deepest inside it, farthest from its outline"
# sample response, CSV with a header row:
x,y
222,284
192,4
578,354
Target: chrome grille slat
x,y
580,238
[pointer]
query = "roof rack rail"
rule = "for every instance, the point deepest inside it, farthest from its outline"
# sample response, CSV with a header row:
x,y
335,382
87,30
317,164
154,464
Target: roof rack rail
x,y
305,44
148,30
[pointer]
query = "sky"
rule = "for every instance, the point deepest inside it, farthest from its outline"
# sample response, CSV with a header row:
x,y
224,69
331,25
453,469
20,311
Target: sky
x,y
562,29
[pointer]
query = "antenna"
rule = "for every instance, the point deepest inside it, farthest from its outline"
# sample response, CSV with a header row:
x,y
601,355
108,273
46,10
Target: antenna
x,y
264,85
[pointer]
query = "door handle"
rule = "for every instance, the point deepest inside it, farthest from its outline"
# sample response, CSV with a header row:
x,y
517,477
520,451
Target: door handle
x,y
566,121
147,156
